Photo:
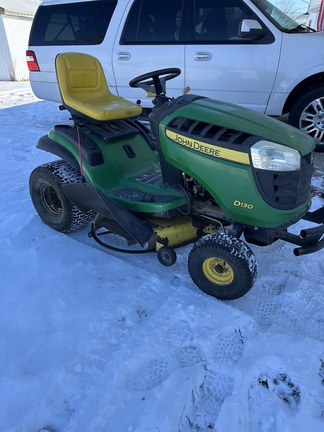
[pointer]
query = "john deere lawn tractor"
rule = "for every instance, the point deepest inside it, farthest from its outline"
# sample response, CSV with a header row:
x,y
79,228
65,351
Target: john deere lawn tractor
x,y
201,171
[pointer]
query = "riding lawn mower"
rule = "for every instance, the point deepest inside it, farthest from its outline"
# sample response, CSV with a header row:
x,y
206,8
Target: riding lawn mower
x,y
199,171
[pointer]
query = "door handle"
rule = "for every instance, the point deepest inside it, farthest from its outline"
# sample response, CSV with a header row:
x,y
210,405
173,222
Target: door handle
x,y
203,56
123,56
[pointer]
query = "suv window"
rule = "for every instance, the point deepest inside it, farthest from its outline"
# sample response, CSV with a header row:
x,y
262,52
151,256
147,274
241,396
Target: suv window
x,y
277,16
153,22
83,23
220,21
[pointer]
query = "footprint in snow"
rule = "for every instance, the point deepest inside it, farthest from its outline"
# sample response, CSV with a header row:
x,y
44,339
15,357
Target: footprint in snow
x,y
150,374
228,348
156,370
179,335
207,398
264,311
206,401
321,372
180,352
318,395
267,398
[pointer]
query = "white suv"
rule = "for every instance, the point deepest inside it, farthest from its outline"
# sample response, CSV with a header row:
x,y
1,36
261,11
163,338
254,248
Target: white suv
x,y
242,51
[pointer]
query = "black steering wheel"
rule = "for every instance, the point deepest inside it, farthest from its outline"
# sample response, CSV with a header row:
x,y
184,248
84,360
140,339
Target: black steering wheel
x,y
154,82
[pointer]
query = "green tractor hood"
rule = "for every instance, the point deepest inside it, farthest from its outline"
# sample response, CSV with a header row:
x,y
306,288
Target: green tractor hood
x,y
211,142
237,118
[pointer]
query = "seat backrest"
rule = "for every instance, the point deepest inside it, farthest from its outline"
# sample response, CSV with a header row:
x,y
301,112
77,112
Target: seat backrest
x,y
80,76
84,90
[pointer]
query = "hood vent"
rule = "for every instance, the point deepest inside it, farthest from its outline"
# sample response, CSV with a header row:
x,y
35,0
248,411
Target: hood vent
x,y
207,131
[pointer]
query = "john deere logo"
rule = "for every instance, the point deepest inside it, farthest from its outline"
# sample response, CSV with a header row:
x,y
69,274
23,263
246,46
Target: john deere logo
x,y
209,149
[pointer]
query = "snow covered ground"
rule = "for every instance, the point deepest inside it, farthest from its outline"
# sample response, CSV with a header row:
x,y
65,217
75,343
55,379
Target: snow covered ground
x,y
96,341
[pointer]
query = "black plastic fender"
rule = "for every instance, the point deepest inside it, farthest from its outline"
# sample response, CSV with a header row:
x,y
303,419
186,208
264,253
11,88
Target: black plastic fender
x,y
50,146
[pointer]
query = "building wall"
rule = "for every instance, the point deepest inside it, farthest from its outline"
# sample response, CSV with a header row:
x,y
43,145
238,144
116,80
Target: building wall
x,y
4,53
14,34
314,5
313,9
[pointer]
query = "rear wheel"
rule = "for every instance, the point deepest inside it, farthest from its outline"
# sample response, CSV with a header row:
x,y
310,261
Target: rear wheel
x,y
51,204
308,115
222,266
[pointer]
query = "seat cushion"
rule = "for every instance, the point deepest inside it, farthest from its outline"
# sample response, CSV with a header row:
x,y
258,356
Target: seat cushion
x,y
115,108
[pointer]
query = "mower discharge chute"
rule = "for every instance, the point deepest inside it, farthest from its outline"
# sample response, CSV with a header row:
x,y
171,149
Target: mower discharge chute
x,y
203,172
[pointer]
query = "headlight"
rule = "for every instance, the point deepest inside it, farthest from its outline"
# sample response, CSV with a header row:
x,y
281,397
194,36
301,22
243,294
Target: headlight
x,y
274,157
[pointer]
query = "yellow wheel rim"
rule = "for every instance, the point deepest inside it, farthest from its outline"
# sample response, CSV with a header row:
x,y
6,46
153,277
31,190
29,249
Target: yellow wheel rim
x,y
218,271
51,200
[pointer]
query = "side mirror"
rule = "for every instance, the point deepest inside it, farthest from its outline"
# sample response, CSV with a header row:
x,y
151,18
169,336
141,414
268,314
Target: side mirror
x,y
251,29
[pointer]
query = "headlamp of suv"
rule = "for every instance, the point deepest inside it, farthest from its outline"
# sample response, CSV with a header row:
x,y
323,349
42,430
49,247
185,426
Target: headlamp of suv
x,y
270,156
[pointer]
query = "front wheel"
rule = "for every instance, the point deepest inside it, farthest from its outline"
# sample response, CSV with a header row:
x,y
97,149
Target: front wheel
x,y
308,115
222,266
51,204
167,256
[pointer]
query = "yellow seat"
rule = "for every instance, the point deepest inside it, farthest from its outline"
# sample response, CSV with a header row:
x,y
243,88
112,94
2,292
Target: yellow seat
x,y
84,89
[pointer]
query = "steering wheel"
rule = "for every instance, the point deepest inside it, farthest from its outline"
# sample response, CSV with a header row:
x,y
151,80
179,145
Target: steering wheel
x,y
154,82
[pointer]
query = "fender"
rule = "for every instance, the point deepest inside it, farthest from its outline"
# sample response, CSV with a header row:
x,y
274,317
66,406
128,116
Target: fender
x,y
48,145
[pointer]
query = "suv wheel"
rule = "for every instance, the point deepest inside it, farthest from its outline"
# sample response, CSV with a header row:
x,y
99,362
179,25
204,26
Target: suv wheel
x,y
308,115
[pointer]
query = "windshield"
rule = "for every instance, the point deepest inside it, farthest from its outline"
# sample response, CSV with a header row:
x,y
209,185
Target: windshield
x,y
277,17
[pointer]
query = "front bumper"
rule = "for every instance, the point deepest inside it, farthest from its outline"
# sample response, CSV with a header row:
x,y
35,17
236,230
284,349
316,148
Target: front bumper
x,y
309,240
